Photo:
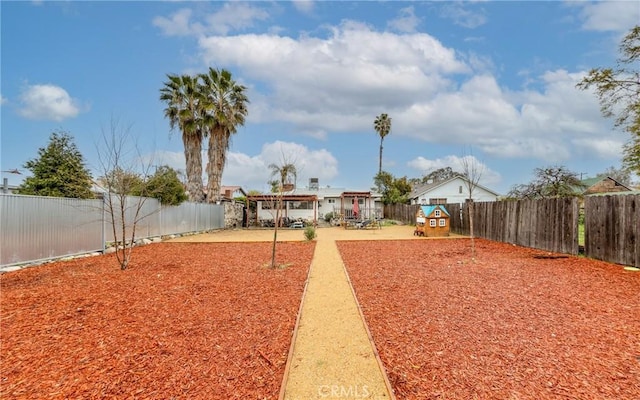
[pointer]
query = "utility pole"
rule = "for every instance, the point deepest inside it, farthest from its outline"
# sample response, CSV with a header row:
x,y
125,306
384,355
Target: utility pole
x,y
5,181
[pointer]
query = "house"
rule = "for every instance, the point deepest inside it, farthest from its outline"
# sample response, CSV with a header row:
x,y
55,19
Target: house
x,y
313,202
231,192
602,184
7,188
448,191
432,220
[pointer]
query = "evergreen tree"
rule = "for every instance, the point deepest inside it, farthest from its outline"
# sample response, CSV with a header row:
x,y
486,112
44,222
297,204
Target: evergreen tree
x,y
165,186
58,171
394,190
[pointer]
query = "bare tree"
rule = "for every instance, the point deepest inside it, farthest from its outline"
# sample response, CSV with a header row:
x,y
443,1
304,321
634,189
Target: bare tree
x,y
286,174
472,171
123,170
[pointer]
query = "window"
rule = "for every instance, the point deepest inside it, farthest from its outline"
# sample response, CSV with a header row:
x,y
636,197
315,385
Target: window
x,y
270,205
300,205
437,213
438,201
460,189
423,201
432,223
331,201
443,222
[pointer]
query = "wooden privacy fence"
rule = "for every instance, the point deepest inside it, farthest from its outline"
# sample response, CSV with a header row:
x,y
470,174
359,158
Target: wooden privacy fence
x,y
548,224
611,222
612,228
401,212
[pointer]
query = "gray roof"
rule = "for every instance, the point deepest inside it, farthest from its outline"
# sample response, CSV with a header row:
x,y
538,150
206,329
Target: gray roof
x,y
324,192
427,187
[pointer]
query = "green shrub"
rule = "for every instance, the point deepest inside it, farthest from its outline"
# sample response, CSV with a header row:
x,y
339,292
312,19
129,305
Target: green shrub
x,y
310,233
328,216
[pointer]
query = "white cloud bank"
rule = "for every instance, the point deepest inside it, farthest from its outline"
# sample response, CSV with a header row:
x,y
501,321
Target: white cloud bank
x,y
334,82
48,102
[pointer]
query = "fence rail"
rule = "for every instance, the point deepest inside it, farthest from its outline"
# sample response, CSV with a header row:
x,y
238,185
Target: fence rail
x,y
34,228
612,224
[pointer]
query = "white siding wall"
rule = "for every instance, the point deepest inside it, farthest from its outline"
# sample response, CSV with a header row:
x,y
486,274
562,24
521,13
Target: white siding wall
x,y
451,192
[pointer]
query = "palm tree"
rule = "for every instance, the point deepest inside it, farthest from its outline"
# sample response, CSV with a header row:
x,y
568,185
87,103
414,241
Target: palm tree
x,y
382,125
183,102
225,108
286,173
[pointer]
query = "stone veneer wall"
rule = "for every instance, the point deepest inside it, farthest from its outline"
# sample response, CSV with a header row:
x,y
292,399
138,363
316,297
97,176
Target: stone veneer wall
x,y
233,214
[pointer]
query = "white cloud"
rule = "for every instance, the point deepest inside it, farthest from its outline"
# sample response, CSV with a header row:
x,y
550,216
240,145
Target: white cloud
x,y
424,166
543,124
235,16
461,14
337,82
604,147
334,84
3,100
304,6
406,21
47,102
309,163
179,24
615,16
232,16
252,171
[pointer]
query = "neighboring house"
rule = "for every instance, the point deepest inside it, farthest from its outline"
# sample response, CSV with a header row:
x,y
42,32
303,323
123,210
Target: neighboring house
x,y
449,191
314,202
602,184
231,192
7,188
432,220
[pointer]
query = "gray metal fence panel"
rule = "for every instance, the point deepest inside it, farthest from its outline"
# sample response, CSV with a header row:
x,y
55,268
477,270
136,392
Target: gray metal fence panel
x,y
191,217
144,212
178,219
36,228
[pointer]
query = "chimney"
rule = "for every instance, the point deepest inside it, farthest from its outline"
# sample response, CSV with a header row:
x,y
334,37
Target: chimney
x,y
313,184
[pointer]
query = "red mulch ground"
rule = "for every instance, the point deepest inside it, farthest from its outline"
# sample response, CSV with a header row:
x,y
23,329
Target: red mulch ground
x,y
185,321
510,326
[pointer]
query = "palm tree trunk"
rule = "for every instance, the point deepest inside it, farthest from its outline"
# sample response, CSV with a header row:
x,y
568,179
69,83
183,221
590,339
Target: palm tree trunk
x,y
193,160
380,164
217,154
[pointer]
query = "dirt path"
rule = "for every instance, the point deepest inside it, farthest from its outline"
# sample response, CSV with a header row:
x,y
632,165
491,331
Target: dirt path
x,y
333,355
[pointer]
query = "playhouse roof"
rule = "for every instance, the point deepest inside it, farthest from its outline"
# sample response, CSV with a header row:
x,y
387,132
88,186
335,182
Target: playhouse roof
x,y
427,210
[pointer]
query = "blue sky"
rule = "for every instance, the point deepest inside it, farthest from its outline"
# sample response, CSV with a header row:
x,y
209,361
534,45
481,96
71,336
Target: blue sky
x,y
492,80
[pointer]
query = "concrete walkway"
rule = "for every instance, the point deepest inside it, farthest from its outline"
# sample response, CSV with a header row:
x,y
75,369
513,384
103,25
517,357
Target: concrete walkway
x,y
332,356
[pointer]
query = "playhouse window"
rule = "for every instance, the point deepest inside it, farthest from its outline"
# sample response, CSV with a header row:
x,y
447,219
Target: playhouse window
x,y
443,222
432,223
436,213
